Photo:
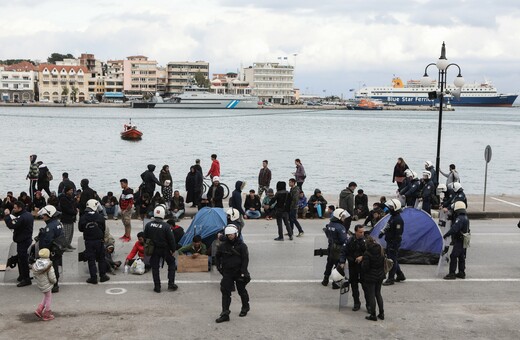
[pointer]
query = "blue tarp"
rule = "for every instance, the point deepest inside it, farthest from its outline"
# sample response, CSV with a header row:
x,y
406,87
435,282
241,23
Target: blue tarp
x,y
206,223
422,239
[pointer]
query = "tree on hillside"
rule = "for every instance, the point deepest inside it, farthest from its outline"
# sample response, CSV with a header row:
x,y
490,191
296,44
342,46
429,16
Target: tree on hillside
x,y
201,80
58,57
14,61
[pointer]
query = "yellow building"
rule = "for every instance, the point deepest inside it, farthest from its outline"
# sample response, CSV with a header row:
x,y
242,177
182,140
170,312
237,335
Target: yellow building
x,y
63,83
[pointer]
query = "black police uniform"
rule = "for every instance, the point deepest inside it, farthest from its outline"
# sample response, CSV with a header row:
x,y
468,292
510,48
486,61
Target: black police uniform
x,y
92,225
160,233
426,194
352,249
232,259
53,229
337,236
22,225
458,254
393,233
411,192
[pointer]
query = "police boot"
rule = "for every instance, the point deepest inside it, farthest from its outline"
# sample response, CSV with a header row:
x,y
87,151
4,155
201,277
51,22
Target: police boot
x,y
223,317
450,276
325,281
461,275
390,281
244,310
400,277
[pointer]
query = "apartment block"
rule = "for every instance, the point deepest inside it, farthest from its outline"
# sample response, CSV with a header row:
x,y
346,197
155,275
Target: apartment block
x,y
140,76
271,82
182,73
63,83
17,82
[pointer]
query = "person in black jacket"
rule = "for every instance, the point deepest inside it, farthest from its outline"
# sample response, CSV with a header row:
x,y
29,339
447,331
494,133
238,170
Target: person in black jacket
x,y
193,186
215,194
428,189
336,237
252,205
43,179
86,194
232,260
92,225
21,222
52,231
294,196
68,213
412,190
372,265
283,203
393,233
235,201
352,251
458,254
160,234
399,173
150,180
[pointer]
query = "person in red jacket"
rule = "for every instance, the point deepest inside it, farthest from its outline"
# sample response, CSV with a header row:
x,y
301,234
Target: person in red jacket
x,y
137,249
215,167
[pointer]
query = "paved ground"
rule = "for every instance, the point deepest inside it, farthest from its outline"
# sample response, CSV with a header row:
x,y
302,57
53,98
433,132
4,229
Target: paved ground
x,y
287,300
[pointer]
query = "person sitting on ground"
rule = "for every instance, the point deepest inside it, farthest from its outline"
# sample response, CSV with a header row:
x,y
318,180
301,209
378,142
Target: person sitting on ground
x,y
177,205
53,200
137,249
111,204
268,209
8,201
195,248
27,201
361,205
330,210
374,216
178,231
145,205
317,204
303,209
157,199
38,203
252,205
111,264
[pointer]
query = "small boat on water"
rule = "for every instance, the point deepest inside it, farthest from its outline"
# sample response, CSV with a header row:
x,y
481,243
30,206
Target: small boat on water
x,y
366,104
130,132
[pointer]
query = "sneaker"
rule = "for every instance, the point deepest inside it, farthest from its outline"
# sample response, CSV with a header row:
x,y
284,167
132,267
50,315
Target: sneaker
x,y
173,287
381,316
400,278
356,307
371,317
92,280
222,318
47,315
450,276
461,275
39,311
325,281
300,234
104,278
243,312
388,282
279,239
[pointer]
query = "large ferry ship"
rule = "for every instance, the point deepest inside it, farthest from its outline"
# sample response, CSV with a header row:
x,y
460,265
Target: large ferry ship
x,y
413,93
195,97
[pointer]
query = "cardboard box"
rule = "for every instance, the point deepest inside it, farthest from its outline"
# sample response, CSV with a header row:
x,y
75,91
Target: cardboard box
x,y
189,264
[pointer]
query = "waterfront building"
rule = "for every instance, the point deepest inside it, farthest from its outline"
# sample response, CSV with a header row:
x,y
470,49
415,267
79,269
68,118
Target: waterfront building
x,y
271,82
229,83
182,73
162,80
63,83
114,79
139,76
17,82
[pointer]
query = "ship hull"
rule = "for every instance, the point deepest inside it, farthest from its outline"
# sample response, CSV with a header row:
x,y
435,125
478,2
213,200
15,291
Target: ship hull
x,y
499,101
246,103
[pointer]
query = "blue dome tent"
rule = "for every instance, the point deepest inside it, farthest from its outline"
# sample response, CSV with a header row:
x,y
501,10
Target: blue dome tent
x,y
206,223
422,239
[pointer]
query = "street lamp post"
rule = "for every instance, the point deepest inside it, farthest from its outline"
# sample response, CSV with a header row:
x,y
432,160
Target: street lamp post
x,y
442,65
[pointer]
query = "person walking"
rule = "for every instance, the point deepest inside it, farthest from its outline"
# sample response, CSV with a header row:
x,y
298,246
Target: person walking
x,y
53,231
300,175
32,176
336,236
264,178
232,260
214,170
457,231
399,175
160,234
393,233
45,276
293,212
372,264
21,222
281,202
149,180
352,252
44,178
126,204
92,225
166,180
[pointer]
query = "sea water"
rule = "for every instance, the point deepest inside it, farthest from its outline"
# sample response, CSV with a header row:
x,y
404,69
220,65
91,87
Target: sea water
x,y
335,147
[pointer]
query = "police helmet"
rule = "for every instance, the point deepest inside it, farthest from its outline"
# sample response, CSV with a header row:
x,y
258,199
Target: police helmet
x,y
394,204
159,211
336,276
340,213
230,229
427,174
457,186
459,205
441,188
233,214
92,204
48,210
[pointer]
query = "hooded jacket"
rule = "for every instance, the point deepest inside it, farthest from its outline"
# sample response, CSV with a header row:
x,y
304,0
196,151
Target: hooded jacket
x,y
235,201
44,274
282,199
42,173
86,194
150,180
373,264
68,208
346,200
33,169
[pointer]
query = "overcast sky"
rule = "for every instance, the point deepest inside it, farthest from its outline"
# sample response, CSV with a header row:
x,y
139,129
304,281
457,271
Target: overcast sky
x,y
340,44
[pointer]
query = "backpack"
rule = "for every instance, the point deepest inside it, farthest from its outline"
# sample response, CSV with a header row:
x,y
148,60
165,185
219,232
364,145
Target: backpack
x,y
59,245
49,176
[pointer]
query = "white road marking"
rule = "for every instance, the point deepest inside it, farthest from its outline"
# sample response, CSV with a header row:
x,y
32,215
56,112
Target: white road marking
x,y
506,202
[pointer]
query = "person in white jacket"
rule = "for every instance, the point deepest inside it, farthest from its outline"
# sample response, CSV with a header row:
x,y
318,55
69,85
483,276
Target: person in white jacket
x,y
45,278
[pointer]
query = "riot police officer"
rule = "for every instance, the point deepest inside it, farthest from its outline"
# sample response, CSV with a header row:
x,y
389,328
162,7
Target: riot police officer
x,y
232,259
93,227
412,190
337,236
458,254
158,232
352,251
393,232
51,232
